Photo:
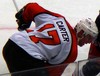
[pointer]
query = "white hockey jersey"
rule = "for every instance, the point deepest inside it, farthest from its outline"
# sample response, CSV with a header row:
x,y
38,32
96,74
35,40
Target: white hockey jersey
x,y
50,40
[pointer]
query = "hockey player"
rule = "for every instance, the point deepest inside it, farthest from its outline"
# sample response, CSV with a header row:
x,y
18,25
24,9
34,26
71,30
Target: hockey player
x,y
92,67
52,42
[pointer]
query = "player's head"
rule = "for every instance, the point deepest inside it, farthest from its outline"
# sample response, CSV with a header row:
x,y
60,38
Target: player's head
x,y
86,31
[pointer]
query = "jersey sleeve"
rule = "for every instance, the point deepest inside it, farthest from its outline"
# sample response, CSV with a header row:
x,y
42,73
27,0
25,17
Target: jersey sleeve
x,y
33,9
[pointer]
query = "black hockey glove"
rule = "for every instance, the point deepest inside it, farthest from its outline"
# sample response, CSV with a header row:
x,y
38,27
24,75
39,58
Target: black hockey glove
x,y
91,68
22,25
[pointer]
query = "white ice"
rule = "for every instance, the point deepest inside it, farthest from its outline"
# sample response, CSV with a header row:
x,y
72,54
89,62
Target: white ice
x,y
73,10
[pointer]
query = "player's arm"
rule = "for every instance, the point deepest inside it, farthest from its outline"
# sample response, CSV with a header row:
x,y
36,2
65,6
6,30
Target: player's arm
x,y
90,68
27,14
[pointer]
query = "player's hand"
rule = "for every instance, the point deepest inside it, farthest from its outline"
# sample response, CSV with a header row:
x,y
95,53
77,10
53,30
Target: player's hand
x,y
22,26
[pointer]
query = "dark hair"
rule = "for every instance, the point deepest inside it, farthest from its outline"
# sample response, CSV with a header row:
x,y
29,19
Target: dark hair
x,y
97,21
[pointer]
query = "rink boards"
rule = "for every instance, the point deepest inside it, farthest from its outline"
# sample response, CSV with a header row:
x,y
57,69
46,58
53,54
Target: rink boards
x,y
69,68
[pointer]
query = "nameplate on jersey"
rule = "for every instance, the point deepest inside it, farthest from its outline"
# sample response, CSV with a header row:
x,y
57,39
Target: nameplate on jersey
x,y
63,30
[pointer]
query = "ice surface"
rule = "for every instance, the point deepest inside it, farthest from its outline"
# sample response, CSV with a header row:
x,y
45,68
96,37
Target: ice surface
x,y
73,10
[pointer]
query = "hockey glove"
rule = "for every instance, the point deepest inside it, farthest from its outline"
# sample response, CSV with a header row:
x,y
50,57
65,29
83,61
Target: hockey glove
x,y
22,25
91,68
